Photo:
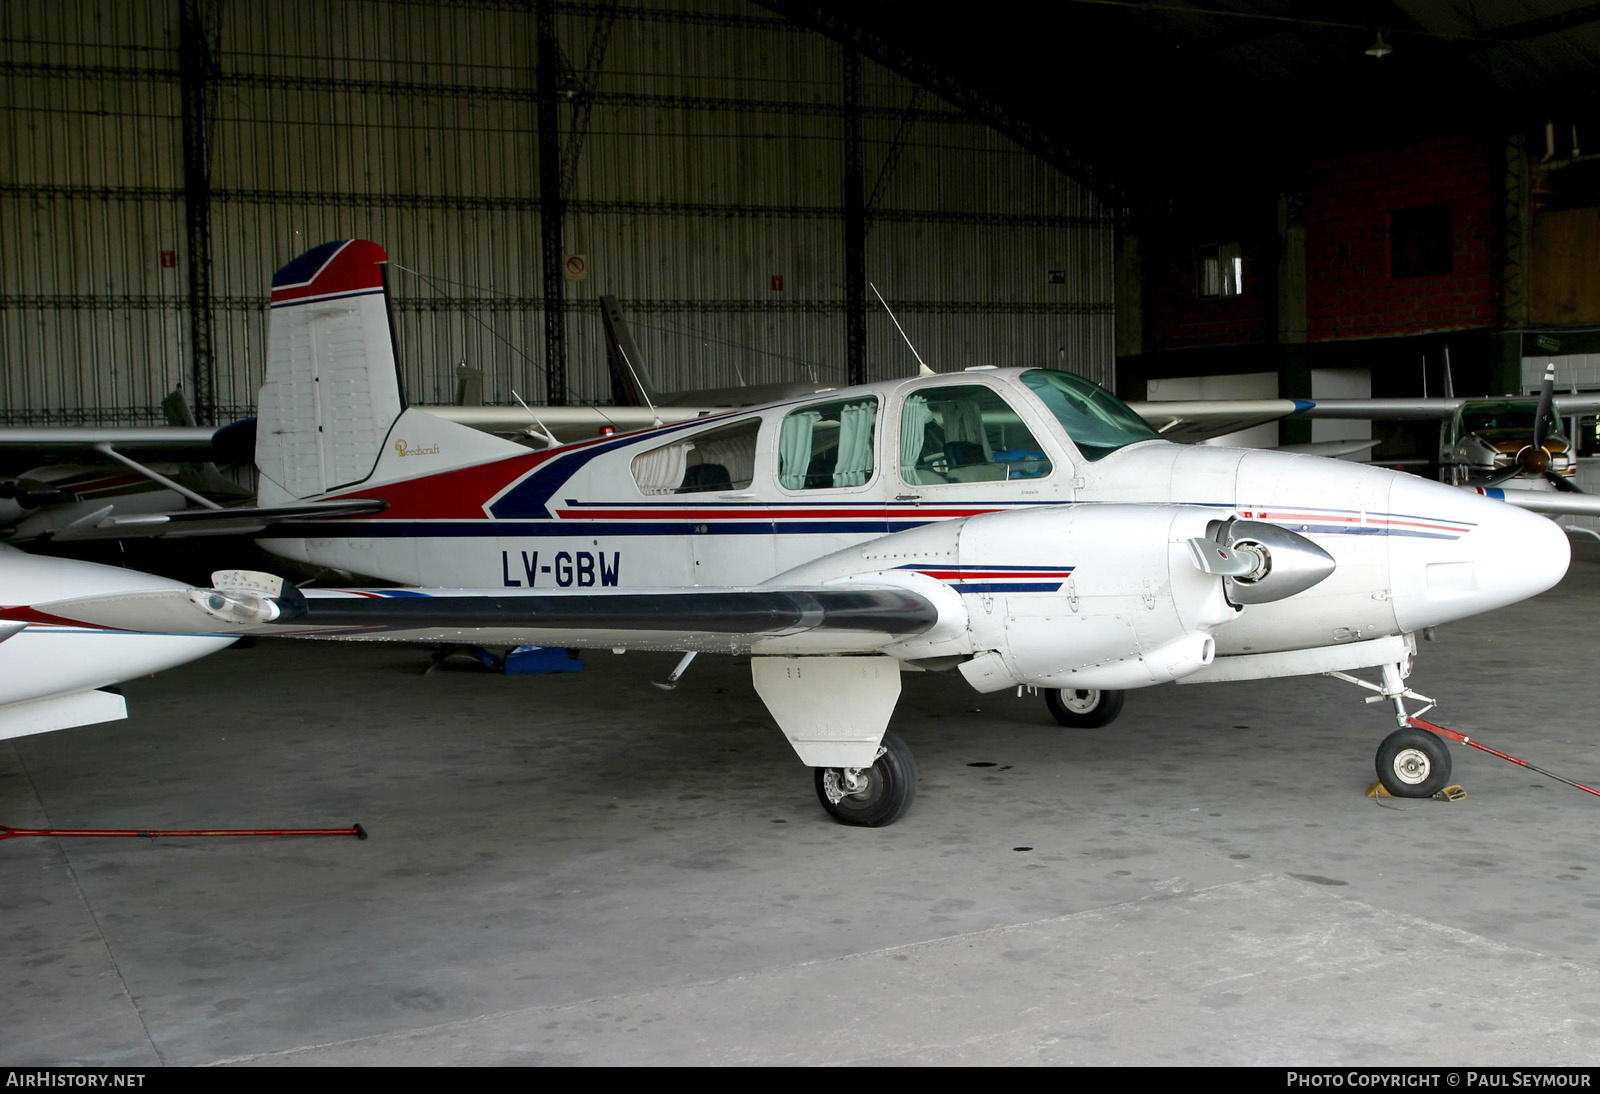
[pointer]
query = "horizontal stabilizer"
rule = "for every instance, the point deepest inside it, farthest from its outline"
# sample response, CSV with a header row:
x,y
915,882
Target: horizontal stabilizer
x,y
241,520
61,712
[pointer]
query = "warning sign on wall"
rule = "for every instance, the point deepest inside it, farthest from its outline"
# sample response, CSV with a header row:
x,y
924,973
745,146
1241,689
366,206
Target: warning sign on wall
x,y
576,267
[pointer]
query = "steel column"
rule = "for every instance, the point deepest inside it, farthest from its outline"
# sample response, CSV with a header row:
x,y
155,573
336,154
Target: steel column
x,y
550,205
855,226
196,70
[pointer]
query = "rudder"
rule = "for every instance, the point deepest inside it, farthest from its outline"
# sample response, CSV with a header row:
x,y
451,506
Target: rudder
x,y
332,389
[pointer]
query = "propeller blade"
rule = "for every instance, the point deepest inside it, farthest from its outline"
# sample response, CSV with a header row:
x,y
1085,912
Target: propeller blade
x,y
1503,475
1564,484
1547,398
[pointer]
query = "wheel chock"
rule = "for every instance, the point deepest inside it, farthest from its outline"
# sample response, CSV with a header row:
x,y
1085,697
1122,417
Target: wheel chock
x,y
1451,793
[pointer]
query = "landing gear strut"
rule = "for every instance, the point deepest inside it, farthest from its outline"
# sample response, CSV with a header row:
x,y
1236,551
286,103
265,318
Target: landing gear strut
x,y
871,797
1083,708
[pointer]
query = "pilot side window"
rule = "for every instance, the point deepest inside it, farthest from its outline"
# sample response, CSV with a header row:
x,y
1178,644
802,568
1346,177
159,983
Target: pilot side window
x,y
966,434
721,459
828,445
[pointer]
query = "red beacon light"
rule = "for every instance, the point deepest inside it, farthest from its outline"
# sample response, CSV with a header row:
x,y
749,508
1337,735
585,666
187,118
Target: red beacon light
x,y
608,431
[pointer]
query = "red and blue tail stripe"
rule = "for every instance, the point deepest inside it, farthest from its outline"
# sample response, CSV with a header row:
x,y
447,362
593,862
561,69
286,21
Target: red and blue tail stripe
x,y
348,267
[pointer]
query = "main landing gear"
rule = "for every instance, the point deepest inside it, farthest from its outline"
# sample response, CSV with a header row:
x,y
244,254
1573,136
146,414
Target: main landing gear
x,y
871,797
1083,708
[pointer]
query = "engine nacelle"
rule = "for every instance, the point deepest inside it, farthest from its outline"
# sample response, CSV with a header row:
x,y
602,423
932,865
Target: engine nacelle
x,y
1132,610
1080,596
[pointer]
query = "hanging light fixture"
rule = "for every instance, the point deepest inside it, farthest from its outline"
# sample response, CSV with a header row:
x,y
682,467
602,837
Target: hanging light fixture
x,y
1380,48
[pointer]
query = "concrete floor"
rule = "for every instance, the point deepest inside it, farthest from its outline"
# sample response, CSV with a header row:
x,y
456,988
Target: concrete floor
x,y
582,869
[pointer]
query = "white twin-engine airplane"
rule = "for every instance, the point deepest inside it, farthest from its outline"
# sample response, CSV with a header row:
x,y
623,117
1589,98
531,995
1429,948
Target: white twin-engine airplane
x,y
1019,525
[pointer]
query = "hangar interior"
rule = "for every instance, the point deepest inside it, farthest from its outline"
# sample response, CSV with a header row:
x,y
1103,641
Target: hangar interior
x,y
1176,200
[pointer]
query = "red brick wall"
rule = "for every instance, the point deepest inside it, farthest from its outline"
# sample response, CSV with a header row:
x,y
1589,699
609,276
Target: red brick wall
x,y
1179,318
1349,293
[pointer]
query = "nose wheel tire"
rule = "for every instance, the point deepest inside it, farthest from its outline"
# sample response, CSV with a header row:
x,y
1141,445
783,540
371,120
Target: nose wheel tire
x,y
871,797
1083,708
1413,763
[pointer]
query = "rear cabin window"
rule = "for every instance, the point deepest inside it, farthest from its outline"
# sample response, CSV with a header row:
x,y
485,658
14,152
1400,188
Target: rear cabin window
x,y
828,445
720,459
966,434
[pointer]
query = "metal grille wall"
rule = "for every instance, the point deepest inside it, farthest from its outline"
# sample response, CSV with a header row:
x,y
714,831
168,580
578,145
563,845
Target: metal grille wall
x,y
158,160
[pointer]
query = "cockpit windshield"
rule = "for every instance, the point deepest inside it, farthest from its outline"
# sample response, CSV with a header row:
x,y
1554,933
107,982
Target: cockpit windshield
x,y
1098,422
1505,416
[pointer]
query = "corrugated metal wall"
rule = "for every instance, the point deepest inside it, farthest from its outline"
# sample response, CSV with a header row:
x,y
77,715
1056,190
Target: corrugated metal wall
x,y
711,145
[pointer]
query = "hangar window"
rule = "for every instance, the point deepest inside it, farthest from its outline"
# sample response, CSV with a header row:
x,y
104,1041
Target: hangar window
x,y
720,459
1420,243
1221,270
828,445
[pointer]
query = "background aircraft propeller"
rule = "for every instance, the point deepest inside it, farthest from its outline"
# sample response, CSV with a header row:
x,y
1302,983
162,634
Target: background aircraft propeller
x,y
1534,459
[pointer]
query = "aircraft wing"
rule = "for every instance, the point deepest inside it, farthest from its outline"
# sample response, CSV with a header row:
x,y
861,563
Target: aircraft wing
x,y
1193,420
565,423
1554,503
173,442
105,523
819,619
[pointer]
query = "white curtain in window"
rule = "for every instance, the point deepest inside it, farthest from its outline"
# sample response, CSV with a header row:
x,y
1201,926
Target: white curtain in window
x,y
661,471
856,421
794,448
915,414
737,454
963,421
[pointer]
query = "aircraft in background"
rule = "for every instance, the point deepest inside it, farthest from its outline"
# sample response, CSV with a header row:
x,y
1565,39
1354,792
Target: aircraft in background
x,y
52,675
1021,526
1486,444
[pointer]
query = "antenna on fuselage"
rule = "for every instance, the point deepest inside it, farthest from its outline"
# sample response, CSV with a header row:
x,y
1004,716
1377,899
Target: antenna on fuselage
x,y
544,433
922,366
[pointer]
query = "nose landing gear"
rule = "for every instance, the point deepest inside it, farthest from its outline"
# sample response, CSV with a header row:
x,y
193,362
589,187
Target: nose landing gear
x,y
1411,762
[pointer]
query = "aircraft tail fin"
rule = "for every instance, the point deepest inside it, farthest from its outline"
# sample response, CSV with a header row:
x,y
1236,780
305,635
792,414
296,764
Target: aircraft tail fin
x,y
332,389
630,380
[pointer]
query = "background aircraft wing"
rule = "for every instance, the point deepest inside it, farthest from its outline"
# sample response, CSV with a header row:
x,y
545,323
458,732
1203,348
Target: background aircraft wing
x,y
1423,409
1554,503
565,423
234,520
1193,420
162,442
821,619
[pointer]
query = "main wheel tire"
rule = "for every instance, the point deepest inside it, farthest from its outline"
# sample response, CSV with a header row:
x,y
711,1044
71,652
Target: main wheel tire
x,y
891,784
1413,763
1083,708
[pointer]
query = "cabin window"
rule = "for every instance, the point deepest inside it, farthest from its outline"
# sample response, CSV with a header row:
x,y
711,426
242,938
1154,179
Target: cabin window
x,y
828,445
720,459
966,434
